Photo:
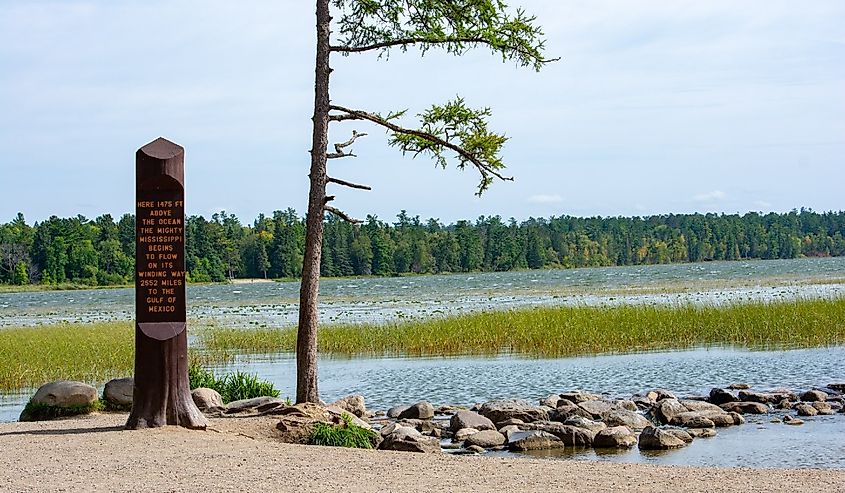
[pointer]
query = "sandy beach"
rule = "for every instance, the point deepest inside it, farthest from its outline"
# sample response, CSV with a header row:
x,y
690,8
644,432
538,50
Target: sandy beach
x,y
95,454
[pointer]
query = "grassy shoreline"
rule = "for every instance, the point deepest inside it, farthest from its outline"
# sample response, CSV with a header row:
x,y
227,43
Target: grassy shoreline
x,y
30,356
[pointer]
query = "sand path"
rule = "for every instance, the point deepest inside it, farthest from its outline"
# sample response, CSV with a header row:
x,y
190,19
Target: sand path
x,y
96,454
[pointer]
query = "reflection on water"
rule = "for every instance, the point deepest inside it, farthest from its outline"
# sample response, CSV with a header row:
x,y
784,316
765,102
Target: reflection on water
x,y
376,299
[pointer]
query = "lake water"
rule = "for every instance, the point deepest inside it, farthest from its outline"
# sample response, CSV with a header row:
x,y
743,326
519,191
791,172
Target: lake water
x,y
467,380
379,299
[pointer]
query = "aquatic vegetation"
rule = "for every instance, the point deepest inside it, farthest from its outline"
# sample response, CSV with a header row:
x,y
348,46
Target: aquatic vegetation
x,y
232,387
94,352
566,331
346,435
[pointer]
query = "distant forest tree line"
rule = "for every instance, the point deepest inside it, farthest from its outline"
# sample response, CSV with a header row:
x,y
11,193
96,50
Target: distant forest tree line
x,y
102,251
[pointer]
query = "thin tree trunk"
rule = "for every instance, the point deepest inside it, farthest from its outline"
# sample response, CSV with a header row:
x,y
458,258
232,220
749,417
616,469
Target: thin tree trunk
x,y
306,341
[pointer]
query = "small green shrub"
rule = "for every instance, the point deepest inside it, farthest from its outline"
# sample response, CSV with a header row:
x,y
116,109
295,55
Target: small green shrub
x,y
345,435
44,412
232,387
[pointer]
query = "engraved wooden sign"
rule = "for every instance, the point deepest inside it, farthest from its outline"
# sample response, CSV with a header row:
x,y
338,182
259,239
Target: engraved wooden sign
x,y
162,394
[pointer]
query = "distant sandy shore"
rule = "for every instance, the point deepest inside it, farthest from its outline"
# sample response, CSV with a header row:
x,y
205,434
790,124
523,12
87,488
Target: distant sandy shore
x,y
95,454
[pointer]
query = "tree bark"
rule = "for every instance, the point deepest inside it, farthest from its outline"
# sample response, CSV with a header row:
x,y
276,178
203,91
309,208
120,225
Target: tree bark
x,y
306,340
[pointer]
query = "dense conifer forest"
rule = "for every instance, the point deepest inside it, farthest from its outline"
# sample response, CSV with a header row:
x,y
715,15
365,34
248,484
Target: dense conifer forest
x,y
98,252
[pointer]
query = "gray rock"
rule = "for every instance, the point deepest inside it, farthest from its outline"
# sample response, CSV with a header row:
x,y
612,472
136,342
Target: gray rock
x,y
814,396
353,404
469,419
119,392
65,393
508,430
623,417
721,396
566,410
577,396
498,411
694,419
587,424
424,426
823,407
463,434
660,394
533,440
763,398
684,435
692,405
551,401
485,439
839,387
420,410
656,439
739,386
390,428
789,420
207,399
702,432
667,409
395,411
407,439
783,404
508,422
569,435
745,407
615,437
737,418
245,405
596,408
625,404
476,449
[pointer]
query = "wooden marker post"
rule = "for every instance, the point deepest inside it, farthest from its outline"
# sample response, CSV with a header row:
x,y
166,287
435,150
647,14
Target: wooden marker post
x,y
162,395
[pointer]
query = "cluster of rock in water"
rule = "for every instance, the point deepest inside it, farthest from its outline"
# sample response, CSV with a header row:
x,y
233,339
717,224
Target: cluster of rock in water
x,y
655,420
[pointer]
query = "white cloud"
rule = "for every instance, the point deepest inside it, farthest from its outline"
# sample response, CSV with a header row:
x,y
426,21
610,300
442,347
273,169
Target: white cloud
x,y
714,196
545,199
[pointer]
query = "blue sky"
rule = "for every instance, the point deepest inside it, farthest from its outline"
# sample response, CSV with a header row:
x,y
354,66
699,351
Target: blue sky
x,y
655,107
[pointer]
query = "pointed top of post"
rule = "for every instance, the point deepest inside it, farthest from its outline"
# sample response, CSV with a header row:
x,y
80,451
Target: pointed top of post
x,y
162,148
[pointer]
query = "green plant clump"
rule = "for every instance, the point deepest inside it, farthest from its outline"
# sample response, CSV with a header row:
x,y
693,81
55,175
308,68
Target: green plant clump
x,y
44,412
347,435
233,387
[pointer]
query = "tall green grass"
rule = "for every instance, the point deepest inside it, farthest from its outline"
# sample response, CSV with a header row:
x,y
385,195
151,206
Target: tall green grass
x,y
565,331
232,387
31,356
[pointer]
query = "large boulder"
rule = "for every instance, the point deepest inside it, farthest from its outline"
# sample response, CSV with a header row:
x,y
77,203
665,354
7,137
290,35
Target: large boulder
x,y
624,417
596,408
572,436
407,439
578,396
666,409
566,410
721,396
761,397
587,424
521,441
353,404
469,419
118,392
498,411
395,411
745,407
615,437
814,396
207,399
256,404
64,393
823,407
692,405
653,438
420,410
61,398
485,439
804,409
684,435
694,419
463,434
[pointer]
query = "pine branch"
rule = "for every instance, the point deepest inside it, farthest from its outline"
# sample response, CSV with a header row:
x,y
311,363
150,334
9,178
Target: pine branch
x,y
484,167
347,183
339,213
